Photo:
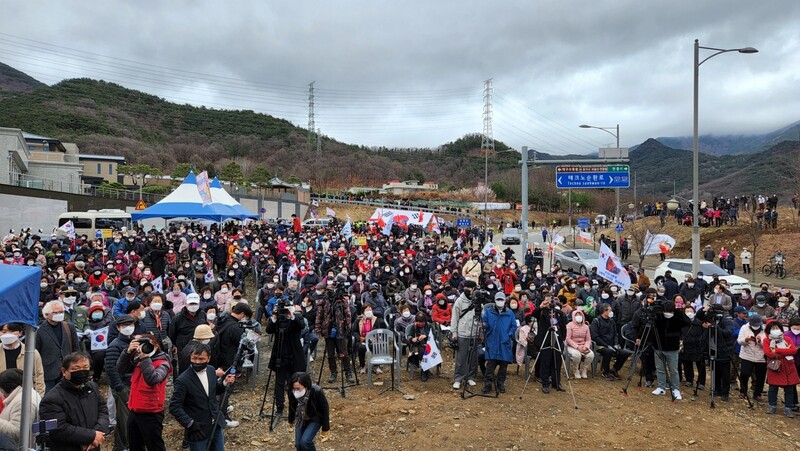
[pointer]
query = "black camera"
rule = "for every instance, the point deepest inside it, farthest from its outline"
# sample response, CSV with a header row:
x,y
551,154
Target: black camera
x,y
281,308
145,347
715,312
481,297
653,306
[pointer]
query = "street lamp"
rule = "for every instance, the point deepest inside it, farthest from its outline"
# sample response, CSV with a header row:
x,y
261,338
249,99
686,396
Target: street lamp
x,y
695,150
615,134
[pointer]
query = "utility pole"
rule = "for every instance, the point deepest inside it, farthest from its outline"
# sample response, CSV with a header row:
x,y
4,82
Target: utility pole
x,y
487,143
311,127
319,141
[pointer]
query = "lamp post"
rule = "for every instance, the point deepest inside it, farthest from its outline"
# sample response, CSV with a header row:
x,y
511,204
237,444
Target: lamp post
x,y
615,134
695,150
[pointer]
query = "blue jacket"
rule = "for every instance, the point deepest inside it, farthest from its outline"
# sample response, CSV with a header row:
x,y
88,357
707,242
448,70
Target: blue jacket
x,y
499,328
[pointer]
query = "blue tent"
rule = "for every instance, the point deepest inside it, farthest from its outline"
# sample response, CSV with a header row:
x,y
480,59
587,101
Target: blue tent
x,y
19,294
19,303
185,202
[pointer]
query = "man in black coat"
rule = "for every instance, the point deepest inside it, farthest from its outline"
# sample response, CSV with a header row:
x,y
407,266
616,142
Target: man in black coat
x,y
55,340
120,383
291,359
194,401
78,406
549,361
181,330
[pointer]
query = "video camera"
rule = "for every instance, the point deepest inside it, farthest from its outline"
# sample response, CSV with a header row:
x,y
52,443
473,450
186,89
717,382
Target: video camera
x,y
480,297
653,306
715,313
281,307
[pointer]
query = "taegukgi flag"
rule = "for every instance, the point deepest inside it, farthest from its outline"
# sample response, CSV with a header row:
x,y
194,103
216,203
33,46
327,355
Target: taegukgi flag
x,y
610,268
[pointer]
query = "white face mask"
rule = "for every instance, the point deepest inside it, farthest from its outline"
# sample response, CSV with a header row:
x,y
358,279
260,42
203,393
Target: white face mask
x,y
43,284
781,304
299,393
690,315
775,334
500,304
579,319
156,306
58,317
142,314
193,308
127,330
8,339
572,286
604,296
211,316
428,292
406,314
611,314
796,331
223,290
69,300
368,314
79,280
668,315
206,296
140,266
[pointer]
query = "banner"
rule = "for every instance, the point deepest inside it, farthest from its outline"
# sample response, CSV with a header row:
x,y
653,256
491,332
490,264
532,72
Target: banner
x,y
347,230
204,188
68,228
329,211
657,244
401,217
433,226
610,268
99,339
584,237
489,249
431,357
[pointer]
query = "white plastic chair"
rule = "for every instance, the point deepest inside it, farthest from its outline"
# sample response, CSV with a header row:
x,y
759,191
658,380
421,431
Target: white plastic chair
x,y
382,349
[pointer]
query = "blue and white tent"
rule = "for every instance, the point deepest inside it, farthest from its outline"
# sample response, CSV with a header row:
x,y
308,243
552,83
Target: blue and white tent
x,y
185,202
219,194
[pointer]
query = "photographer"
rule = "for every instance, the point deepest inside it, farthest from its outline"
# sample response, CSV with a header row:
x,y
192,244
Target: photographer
x,y
640,320
721,340
288,324
333,323
668,326
229,332
550,319
150,368
465,329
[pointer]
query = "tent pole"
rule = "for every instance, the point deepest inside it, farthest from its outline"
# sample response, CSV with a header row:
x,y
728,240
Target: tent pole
x,y
26,424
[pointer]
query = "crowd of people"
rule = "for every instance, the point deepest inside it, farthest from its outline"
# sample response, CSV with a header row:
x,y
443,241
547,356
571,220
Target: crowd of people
x,y
148,309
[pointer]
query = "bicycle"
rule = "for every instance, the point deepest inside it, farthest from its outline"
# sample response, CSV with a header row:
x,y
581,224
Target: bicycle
x,y
776,268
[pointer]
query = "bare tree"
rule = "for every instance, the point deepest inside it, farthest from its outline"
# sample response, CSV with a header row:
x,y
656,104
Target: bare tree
x,y
638,230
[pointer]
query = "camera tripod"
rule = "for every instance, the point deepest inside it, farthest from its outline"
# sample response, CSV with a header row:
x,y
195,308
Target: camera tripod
x,y
243,343
639,350
342,385
554,346
278,346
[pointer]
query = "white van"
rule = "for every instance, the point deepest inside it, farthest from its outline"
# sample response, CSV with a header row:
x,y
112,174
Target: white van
x,y
316,223
89,222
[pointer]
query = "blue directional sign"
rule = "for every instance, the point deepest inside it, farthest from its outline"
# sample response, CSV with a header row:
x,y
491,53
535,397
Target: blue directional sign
x,y
619,228
605,176
464,222
583,223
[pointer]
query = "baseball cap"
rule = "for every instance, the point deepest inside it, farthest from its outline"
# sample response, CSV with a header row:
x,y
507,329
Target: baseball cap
x,y
739,309
193,298
500,295
755,321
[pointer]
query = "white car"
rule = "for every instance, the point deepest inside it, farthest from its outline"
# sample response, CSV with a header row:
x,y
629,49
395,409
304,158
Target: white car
x,y
682,267
510,236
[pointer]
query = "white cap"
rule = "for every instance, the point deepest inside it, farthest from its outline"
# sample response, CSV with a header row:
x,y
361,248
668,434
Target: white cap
x,y
193,298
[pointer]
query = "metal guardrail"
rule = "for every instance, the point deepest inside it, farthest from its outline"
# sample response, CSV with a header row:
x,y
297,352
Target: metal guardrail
x,y
43,183
122,194
370,203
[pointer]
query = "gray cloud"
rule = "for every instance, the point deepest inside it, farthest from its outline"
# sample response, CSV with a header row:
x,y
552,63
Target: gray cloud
x,y
411,73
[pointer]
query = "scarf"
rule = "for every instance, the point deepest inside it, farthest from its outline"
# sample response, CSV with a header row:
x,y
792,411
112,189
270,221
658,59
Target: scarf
x,y
300,412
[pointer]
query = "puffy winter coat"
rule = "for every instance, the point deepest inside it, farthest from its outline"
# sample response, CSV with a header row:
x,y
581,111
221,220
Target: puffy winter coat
x,y
578,334
787,373
695,342
79,413
499,327
751,351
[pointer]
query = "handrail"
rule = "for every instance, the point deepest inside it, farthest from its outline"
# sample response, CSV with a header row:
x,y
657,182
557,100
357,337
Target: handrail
x,y
371,203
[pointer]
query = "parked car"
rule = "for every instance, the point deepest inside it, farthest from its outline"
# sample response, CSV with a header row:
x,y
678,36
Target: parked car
x,y
581,260
316,223
510,236
682,267
600,219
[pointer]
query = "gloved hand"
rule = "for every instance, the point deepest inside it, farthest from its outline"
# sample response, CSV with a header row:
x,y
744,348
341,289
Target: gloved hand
x,y
196,432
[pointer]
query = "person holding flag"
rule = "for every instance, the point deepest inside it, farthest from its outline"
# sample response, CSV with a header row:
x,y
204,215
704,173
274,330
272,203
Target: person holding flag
x,y
610,268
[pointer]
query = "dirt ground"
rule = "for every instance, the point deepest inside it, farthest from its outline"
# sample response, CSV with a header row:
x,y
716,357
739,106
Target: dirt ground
x,y
437,418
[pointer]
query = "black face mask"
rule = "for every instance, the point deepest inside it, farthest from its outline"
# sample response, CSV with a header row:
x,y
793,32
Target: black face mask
x,y
197,367
79,377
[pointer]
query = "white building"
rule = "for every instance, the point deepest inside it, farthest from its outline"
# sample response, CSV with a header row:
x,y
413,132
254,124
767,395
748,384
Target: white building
x,y
35,161
404,188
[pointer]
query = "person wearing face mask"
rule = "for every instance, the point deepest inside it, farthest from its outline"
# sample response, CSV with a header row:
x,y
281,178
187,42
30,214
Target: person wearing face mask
x,y
604,335
568,291
412,294
762,308
99,318
366,323
194,403
149,368
156,321
177,297
668,327
118,382
442,312
11,414
203,334
579,345
472,269
97,278
236,298
375,299
587,290
308,411
292,359
224,295
752,360
499,325
333,324
122,303
792,335
782,374
694,339
785,311
13,354
181,329
416,337
78,406
719,297
55,339
75,314
551,323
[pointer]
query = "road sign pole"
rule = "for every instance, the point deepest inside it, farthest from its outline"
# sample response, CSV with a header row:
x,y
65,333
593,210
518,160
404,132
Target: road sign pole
x,y
524,194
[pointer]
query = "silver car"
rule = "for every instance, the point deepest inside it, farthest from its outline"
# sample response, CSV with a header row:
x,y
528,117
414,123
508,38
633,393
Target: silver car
x,y
581,260
510,236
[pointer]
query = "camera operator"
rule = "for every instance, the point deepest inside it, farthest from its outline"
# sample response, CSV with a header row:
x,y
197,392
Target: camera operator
x,y
638,324
288,323
668,326
333,323
150,368
550,318
229,331
464,329
721,343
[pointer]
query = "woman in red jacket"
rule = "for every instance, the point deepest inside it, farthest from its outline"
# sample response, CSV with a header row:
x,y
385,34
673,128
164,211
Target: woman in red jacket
x,y
442,311
782,374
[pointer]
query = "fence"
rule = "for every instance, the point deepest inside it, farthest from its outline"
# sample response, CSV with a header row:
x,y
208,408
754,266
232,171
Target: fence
x,y
43,183
456,211
122,194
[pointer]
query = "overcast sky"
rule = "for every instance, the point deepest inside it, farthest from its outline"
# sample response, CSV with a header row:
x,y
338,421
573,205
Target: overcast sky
x,y
411,73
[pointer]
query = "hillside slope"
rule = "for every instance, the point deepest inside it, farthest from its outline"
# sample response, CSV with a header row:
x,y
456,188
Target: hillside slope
x,y
13,82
